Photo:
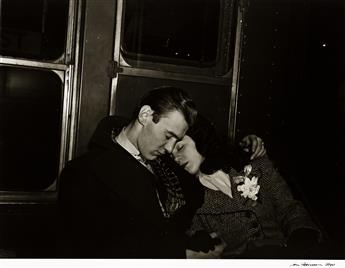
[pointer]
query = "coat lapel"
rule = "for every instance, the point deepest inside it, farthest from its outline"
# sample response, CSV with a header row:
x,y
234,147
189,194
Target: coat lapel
x,y
126,177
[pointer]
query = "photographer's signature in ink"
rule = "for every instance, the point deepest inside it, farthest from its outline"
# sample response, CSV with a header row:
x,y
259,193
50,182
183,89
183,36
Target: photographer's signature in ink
x,y
311,264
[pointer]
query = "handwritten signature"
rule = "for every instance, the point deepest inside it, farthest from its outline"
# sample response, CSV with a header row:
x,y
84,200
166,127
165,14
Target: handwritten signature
x,y
306,264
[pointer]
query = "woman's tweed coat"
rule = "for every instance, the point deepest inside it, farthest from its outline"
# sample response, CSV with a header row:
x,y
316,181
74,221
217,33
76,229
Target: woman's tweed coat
x,y
242,223
245,224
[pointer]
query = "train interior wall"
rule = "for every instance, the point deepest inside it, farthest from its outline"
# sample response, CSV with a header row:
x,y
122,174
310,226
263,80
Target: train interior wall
x,y
292,78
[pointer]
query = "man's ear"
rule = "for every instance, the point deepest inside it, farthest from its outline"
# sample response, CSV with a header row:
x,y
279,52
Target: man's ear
x,y
145,114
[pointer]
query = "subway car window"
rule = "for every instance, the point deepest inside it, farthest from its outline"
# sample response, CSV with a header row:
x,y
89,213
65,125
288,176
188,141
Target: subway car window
x,y
176,32
30,123
34,29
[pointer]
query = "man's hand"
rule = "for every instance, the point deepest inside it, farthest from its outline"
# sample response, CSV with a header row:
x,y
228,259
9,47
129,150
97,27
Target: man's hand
x,y
254,145
186,155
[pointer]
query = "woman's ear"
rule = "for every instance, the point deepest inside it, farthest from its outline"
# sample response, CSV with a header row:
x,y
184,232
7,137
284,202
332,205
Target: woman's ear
x,y
145,114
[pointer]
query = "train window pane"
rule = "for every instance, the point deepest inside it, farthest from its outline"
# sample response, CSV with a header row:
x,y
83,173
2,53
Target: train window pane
x,y
178,31
30,123
34,29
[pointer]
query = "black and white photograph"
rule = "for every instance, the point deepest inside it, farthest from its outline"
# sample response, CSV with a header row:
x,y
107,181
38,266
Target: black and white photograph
x,y
172,132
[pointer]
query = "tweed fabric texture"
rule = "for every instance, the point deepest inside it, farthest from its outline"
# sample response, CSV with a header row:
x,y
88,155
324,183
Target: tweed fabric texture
x,y
244,224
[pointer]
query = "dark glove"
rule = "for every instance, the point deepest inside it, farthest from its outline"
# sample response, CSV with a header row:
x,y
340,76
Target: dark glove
x,y
202,241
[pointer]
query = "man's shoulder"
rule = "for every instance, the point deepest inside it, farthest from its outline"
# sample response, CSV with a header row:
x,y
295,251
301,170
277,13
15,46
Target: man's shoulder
x,y
97,155
96,166
102,136
81,163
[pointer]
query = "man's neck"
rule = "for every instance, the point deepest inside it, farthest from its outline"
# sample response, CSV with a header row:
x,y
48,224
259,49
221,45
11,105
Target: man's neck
x,y
132,133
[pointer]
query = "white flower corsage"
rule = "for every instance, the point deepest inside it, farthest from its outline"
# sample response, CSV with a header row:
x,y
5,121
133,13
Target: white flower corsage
x,y
249,187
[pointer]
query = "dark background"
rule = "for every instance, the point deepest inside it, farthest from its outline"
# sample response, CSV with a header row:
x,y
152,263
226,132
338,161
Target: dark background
x,y
292,93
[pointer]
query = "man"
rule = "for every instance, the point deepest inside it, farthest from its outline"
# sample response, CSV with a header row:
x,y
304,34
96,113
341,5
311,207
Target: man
x,y
125,198
250,207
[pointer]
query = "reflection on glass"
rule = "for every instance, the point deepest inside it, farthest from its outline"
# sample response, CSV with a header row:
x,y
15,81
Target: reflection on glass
x,y
33,29
30,123
172,31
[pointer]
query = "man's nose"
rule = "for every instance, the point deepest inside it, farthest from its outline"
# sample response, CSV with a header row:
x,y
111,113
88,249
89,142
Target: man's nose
x,y
169,146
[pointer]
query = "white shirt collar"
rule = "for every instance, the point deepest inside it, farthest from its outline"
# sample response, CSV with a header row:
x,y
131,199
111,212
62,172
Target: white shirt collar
x,y
122,140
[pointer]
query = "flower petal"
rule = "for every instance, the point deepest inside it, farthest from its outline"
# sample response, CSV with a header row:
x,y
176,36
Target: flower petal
x,y
247,169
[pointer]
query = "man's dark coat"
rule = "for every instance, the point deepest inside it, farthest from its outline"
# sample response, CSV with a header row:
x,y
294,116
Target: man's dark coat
x,y
109,207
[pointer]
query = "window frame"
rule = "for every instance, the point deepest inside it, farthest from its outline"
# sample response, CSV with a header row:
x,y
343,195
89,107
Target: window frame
x,y
223,63
66,67
225,54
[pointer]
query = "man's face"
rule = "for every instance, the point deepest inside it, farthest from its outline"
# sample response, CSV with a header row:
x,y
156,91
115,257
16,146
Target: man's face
x,y
159,138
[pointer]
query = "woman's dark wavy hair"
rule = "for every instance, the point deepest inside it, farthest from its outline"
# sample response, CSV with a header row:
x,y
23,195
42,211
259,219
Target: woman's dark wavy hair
x,y
166,99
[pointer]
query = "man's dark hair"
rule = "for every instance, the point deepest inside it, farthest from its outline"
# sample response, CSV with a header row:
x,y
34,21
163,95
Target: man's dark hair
x,y
166,99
